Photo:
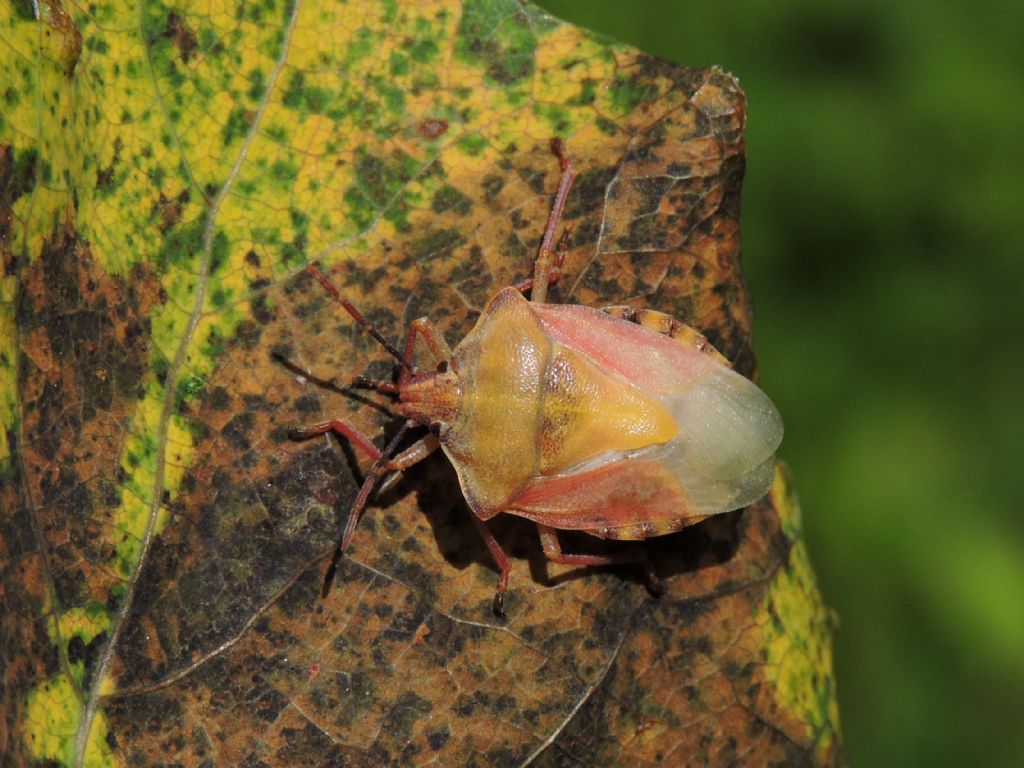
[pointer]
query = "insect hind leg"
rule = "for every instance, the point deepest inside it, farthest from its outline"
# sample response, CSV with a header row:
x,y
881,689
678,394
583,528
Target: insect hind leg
x,y
501,559
553,552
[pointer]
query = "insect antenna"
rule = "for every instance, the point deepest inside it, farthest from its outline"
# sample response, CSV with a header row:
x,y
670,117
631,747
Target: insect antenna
x,y
332,383
379,468
358,316
378,385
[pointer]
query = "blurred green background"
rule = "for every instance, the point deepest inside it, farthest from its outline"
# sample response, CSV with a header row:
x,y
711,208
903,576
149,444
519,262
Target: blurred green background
x,y
884,244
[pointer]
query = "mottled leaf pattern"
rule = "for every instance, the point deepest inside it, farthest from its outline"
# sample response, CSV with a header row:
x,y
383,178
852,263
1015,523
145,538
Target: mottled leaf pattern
x,y
166,170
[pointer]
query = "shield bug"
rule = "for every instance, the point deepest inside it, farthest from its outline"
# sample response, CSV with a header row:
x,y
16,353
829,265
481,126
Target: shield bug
x,y
622,423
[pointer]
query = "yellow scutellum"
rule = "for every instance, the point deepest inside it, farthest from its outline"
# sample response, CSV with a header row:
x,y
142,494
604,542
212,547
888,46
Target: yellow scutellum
x,y
51,727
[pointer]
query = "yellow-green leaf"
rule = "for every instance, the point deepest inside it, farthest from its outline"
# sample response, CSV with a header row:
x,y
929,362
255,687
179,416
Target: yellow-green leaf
x,y
166,171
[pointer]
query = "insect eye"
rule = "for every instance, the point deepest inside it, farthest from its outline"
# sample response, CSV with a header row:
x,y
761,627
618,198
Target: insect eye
x,y
442,367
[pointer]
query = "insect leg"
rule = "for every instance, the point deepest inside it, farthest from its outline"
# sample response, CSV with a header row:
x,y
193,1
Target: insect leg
x,y
343,428
542,267
553,552
381,465
500,559
555,274
436,347
414,454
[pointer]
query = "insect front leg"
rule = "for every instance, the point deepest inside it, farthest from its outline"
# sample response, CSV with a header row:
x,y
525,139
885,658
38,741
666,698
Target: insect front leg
x,y
542,267
433,351
553,552
411,455
343,428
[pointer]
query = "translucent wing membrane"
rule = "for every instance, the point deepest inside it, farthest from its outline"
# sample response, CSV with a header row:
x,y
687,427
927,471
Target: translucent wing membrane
x,y
727,425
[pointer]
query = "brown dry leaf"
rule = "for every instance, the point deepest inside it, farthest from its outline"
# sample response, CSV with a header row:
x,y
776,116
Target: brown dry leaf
x,y
165,172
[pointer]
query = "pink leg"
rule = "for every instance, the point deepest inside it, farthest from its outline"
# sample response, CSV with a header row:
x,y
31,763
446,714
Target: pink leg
x,y
437,347
379,468
555,274
343,428
500,559
553,552
381,465
542,267
414,454
411,455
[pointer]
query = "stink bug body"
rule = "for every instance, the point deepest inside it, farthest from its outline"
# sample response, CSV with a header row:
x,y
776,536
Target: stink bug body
x,y
621,423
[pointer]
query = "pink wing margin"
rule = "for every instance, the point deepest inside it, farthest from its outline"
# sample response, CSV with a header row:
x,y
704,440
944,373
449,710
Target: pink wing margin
x,y
632,499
